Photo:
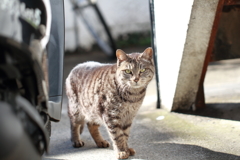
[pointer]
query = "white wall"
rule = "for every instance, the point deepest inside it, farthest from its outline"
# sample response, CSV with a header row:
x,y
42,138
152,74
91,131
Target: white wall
x,y
122,16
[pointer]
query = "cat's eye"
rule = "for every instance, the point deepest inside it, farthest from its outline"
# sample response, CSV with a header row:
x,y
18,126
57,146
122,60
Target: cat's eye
x,y
128,71
142,70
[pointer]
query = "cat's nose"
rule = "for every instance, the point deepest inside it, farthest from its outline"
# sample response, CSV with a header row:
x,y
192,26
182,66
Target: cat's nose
x,y
136,80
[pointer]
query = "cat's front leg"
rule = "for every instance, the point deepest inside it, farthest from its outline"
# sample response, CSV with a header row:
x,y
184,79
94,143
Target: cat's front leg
x,y
120,144
119,139
126,131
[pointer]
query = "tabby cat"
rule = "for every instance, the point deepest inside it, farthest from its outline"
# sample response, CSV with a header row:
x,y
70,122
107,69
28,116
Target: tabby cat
x,y
108,94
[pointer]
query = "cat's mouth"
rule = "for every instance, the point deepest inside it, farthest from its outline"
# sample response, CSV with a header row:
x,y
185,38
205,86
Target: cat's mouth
x,y
135,85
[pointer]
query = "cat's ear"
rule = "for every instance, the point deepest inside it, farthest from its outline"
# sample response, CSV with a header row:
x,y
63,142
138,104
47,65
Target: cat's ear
x,y
121,55
147,53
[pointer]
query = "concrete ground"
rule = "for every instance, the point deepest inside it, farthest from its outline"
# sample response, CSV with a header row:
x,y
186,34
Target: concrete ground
x,y
209,134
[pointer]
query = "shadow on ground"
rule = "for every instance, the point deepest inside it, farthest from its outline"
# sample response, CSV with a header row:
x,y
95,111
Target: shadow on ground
x,y
189,152
228,111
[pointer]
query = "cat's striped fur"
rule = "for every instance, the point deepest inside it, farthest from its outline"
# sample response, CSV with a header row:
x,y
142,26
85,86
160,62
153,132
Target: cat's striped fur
x,y
108,94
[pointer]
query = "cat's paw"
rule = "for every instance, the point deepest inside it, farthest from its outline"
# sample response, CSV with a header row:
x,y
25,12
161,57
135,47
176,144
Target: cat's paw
x,y
131,151
123,155
103,144
78,144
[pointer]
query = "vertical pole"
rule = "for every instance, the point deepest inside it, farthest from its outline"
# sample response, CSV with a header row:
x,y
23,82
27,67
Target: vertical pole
x,y
151,9
110,38
76,32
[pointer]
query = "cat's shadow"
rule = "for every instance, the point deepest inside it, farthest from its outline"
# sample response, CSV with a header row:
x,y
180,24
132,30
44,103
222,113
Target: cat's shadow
x,y
150,144
228,111
173,151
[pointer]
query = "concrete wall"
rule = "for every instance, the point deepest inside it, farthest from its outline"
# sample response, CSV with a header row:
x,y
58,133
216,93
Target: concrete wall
x,y
195,49
123,17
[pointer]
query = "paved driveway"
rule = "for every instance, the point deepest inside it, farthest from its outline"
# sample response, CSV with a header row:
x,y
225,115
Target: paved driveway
x,y
157,134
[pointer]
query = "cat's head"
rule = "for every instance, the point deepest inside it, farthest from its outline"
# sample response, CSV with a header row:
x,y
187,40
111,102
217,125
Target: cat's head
x,y
135,70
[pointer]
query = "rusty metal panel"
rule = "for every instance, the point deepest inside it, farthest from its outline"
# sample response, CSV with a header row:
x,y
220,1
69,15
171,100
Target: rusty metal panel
x,y
231,2
228,35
